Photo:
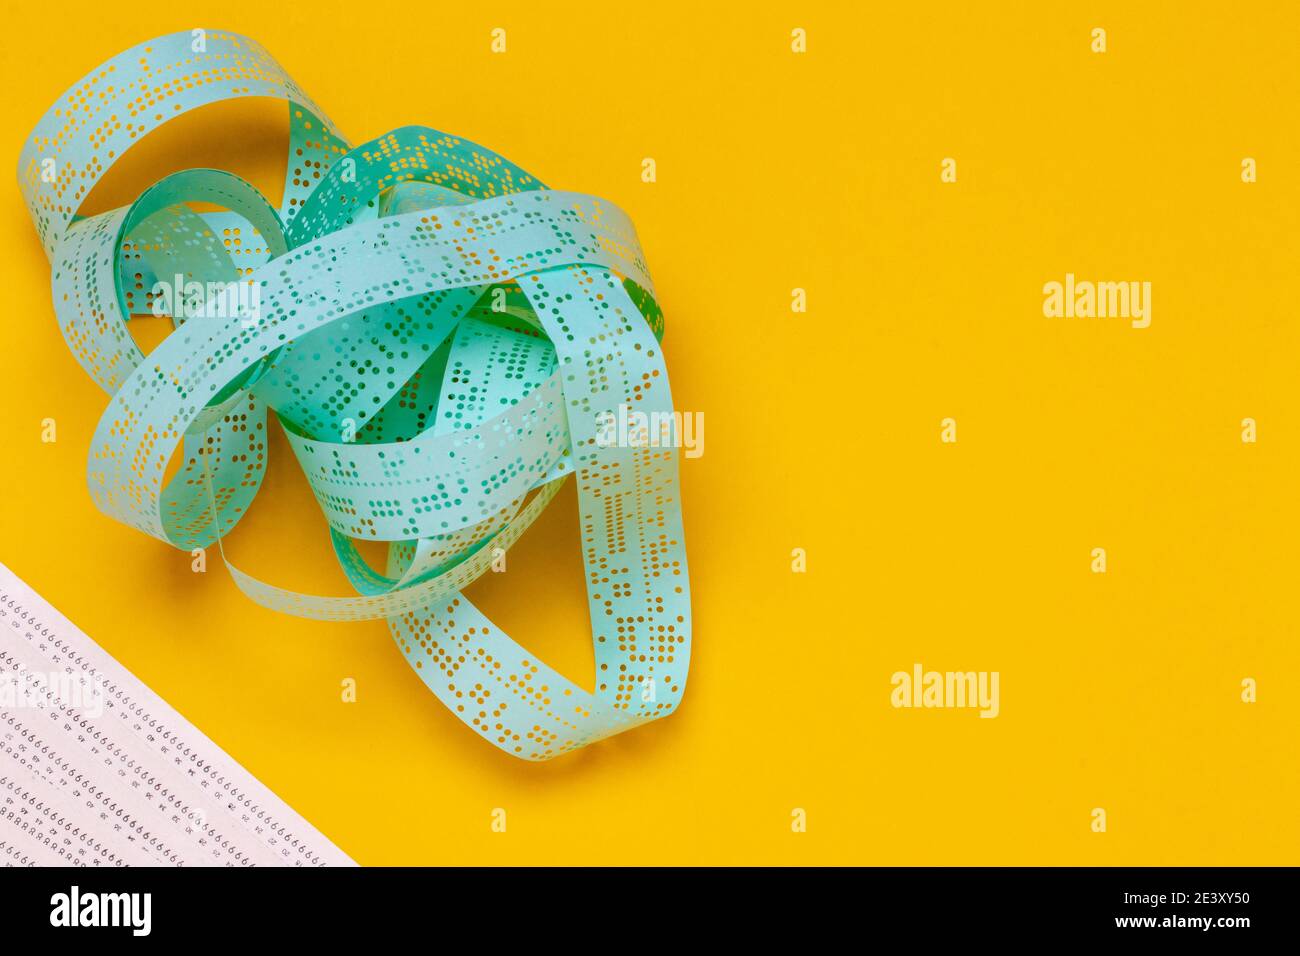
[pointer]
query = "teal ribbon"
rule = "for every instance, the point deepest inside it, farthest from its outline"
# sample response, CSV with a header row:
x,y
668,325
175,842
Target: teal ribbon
x,y
440,336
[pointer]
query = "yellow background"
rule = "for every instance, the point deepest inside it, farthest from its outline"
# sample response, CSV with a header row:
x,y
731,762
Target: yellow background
x,y
777,171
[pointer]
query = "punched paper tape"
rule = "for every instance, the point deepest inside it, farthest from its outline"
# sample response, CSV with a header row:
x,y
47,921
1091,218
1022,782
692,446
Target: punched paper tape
x,y
96,770
444,341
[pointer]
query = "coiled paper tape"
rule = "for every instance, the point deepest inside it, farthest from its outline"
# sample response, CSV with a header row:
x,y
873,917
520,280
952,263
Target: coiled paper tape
x,y
444,341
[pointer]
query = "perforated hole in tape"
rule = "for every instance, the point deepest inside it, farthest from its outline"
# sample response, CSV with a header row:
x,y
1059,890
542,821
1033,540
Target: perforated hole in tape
x,y
444,341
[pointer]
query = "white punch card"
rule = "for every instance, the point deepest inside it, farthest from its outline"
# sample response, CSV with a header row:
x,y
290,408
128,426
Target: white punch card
x,y
97,770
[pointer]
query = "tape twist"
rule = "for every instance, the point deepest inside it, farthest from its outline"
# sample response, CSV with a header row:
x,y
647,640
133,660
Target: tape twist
x,y
443,340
